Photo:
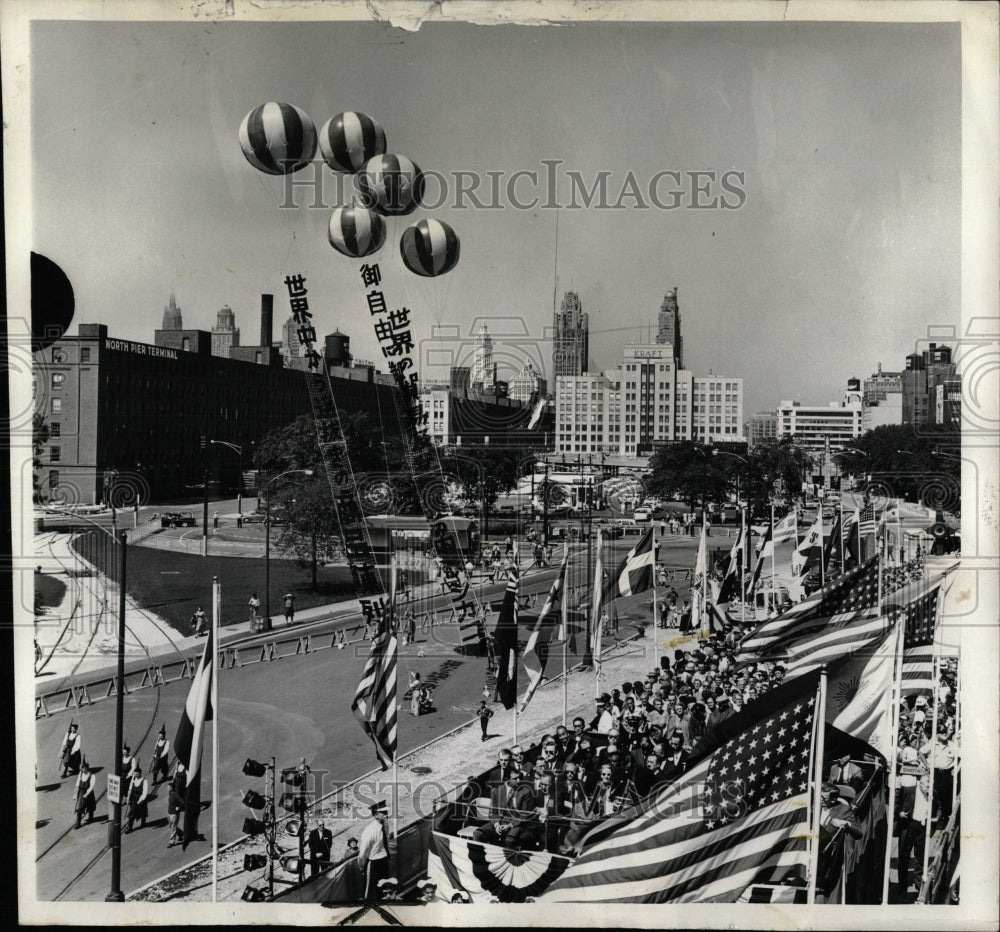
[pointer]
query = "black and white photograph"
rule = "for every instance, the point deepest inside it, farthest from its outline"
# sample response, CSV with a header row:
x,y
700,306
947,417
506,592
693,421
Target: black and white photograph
x,y
504,464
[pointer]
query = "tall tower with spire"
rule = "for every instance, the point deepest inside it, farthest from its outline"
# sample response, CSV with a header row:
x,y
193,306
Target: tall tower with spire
x,y
172,315
669,326
570,337
482,360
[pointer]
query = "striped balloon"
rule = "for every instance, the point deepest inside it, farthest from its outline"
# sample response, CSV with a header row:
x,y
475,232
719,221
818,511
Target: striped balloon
x,y
391,184
429,248
356,232
350,139
278,138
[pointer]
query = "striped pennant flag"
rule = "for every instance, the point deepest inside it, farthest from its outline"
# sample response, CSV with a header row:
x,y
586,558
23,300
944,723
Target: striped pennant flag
x,y
546,631
855,590
918,670
505,644
635,572
764,552
374,703
733,817
734,569
189,740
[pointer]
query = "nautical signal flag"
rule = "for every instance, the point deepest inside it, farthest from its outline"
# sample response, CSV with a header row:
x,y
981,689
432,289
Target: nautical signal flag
x,y
374,703
547,630
189,740
736,816
505,644
635,572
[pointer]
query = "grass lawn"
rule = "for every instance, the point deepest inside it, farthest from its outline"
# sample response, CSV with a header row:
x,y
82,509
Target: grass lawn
x,y
173,584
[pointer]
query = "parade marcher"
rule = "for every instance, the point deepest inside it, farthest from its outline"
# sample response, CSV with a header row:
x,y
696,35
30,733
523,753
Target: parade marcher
x,y
129,764
175,805
485,714
159,765
198,622
320,848
289,599
373,851
85,800
70,754
137,796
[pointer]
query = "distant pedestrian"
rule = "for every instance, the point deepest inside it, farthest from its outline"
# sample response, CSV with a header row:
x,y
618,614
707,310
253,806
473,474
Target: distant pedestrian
x,y
254,607
215,520
485,714
198,622
289,608
509,547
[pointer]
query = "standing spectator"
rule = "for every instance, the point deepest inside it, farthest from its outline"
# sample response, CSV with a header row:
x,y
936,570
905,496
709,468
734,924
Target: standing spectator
x,y
320,847
485,713
137,796
254,606
373,851
70,754
198,622
175,804
352,849
914,807
85,800
160,763
289,608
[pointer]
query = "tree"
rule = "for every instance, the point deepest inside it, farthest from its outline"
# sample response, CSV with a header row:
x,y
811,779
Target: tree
x,y
687,471
39,437
484,472
913,462
780,463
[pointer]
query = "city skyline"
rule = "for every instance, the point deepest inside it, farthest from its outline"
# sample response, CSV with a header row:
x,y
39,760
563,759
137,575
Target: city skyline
x,y
839,230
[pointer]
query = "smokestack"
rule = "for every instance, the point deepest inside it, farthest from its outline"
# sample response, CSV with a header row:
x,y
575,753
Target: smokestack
x,y
266,315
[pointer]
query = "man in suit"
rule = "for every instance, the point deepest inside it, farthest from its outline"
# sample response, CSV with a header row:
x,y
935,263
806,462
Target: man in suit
x,y
914,811
320,847
846,773
675,762
525,831
500,820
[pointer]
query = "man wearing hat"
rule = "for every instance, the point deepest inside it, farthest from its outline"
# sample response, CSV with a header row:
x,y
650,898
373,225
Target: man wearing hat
x,y
70,754
320,847
86,801
373,851
846,773
603,721
160,763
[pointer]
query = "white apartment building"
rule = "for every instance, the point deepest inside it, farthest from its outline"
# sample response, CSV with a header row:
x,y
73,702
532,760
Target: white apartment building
x,y
818,428
436,401
645,401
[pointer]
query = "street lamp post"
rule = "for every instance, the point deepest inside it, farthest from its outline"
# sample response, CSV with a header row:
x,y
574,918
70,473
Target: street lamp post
x,y
239,488
267,539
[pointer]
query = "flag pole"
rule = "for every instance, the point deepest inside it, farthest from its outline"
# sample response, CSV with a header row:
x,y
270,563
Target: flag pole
x,y
891,813
392,633
216,611
935,679
743,554
563,608
656,618
843,559
819,734
822,550
773,548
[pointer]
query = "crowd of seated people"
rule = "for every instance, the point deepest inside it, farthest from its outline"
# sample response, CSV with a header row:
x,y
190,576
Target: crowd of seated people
x,y
642,735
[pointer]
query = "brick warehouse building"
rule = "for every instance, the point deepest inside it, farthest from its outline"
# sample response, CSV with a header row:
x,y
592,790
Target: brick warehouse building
x,y
141,411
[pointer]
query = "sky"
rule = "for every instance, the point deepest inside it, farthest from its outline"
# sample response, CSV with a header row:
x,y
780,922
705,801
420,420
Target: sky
x,y
841,250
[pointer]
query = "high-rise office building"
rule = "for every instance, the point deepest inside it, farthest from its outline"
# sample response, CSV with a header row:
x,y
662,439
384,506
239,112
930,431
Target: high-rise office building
x,y
570,338
669,326
172,315
225,333
482,360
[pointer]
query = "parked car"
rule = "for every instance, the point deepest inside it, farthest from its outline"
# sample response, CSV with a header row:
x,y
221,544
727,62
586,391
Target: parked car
x,y
177,519
643,514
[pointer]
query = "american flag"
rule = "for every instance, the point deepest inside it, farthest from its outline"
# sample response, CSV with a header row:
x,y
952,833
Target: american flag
x,y
374,702
853,591
786,528
843,635
918,607
918,669
895,577
739,813
635,572
866,520
545,632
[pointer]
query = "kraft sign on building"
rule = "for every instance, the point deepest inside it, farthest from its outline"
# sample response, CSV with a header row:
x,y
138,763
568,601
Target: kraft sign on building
x,y
140,349
664,351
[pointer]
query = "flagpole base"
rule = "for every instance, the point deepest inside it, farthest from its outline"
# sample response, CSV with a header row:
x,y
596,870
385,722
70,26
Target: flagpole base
x,y
115,896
